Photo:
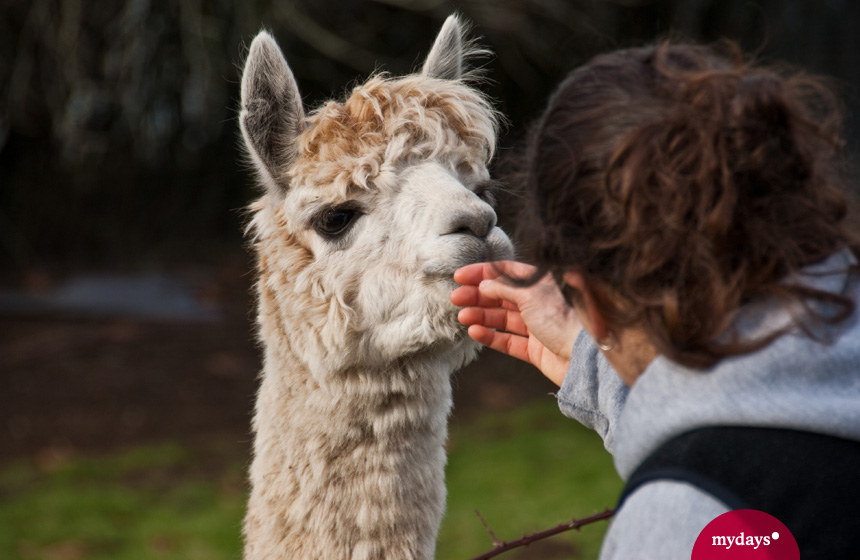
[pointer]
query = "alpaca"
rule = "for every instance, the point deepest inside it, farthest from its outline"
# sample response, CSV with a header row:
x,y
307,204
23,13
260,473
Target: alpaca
x,y
370,205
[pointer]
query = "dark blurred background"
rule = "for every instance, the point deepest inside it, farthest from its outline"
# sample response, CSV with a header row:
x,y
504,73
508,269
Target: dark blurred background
x,y
118,137
125,312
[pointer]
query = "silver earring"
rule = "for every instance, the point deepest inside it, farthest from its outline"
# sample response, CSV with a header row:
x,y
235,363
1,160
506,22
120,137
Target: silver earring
x,y
607,346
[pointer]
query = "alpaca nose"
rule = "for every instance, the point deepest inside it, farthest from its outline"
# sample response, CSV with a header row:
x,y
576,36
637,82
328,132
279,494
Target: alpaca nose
x,y
477,221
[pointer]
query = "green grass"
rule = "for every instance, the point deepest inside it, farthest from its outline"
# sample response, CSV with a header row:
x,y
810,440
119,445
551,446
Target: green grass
x,y
525,470
147,503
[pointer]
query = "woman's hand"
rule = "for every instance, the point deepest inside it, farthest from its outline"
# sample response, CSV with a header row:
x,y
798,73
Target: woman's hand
x,y
533,324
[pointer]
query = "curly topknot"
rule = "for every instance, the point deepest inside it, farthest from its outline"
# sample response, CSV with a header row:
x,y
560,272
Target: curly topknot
x,y
684,182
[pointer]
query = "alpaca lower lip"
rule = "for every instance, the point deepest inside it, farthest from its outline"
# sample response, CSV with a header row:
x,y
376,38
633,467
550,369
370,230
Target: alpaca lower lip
x,y
474,253
474,250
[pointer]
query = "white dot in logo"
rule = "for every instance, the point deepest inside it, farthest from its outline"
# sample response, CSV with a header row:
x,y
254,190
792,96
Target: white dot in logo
x,y
775,535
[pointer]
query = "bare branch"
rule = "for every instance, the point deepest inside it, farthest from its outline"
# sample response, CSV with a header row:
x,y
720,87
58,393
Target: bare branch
x,y
501,547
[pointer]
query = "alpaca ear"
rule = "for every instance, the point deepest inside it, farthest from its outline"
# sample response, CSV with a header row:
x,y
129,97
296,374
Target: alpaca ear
x,y
445,60
272,116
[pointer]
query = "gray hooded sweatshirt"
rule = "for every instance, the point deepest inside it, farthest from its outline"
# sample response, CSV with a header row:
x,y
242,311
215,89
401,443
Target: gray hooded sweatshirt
x,y
795,382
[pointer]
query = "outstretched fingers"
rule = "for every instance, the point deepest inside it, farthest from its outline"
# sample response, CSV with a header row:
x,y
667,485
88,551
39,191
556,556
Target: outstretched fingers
x,y
471,296
490,306
513,345
494,318
473,274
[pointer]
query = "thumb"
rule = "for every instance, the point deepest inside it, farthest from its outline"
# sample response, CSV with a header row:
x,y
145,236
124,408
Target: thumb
x,y
501,290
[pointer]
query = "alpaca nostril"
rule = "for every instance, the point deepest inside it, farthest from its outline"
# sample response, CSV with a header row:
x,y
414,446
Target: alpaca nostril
x,y
487,227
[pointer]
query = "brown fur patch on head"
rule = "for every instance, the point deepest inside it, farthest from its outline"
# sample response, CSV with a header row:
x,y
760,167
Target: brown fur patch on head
x,y
386,121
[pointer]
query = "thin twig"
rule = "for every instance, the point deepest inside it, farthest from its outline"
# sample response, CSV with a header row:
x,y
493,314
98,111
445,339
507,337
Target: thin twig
x,y
496,540
327,42
500,547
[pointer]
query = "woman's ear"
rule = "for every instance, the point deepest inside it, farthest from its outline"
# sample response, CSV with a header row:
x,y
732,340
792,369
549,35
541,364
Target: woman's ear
x,y
590,317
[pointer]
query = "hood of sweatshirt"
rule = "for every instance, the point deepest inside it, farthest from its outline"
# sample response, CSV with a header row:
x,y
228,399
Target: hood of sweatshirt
x,y
795,382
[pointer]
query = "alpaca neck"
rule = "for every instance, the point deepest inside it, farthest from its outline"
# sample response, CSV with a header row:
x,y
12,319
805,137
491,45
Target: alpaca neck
x,y
352,467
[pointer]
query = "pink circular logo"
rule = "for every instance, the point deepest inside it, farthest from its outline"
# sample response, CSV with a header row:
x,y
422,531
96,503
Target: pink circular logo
x,y
745,534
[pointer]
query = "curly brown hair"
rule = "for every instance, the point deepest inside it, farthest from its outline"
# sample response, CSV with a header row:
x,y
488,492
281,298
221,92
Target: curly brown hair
x,y
684,181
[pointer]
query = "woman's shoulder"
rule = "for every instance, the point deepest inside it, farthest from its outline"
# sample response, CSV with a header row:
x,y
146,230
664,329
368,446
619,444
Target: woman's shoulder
x,y
660,520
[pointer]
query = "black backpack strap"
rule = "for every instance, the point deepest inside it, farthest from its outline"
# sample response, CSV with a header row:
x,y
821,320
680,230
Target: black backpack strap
x,y
687,458
810,482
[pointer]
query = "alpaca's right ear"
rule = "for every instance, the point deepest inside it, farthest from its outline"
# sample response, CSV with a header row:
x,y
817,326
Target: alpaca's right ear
x,y
272,115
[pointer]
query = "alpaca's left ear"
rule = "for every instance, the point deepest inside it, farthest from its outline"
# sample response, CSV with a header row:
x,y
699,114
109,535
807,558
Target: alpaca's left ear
x,y
445,60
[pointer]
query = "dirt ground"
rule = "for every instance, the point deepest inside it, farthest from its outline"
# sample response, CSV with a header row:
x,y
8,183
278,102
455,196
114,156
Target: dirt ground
x,y
77,384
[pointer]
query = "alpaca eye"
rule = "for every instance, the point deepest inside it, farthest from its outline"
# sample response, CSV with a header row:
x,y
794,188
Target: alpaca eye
x,y
335,222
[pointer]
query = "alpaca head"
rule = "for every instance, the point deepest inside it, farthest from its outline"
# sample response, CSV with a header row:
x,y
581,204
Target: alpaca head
x,y
370,206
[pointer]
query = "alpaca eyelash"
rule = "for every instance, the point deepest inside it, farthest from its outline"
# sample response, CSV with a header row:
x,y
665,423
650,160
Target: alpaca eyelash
x,y
325,222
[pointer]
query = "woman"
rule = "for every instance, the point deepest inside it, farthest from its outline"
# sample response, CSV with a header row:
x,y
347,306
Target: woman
x,y
694,292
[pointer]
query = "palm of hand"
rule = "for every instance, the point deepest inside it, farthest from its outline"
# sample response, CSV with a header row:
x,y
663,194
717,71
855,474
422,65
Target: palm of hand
x,y
534,324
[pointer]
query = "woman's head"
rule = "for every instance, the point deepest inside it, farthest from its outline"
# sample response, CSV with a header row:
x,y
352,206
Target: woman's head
x,y
682,182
